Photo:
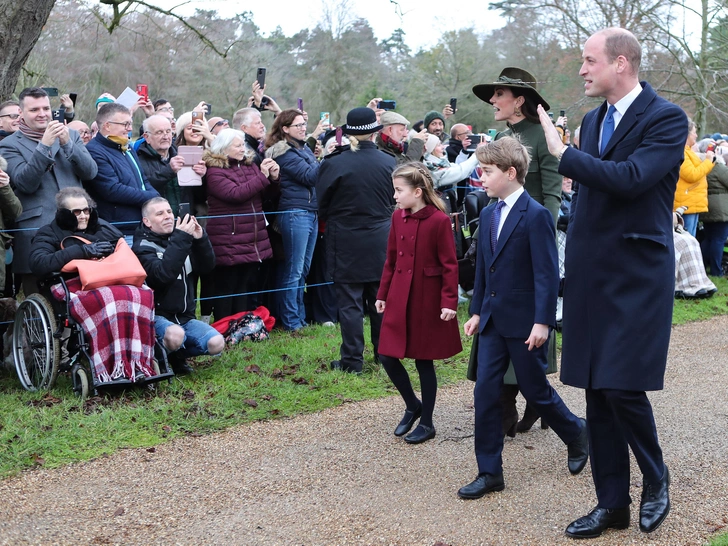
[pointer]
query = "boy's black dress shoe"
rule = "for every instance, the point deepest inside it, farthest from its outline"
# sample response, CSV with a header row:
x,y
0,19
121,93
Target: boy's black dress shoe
x,y
597,521
655,503
407,421
484,483
421,434
579,450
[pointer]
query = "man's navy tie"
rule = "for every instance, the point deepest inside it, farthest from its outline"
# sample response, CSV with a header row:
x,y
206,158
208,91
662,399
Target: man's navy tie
x,y
494,223
607,129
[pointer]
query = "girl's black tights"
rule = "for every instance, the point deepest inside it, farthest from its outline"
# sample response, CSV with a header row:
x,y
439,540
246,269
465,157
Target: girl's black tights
x,y
401,380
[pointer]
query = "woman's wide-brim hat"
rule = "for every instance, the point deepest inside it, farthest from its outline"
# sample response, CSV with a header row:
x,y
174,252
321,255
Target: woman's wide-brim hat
x,y
361,121
515,78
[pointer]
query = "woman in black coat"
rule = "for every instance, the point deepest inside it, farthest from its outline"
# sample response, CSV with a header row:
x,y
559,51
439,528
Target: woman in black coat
x,y
76,215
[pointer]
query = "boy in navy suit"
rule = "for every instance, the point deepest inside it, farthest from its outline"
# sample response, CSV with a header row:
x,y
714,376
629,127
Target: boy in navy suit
x,y
513,307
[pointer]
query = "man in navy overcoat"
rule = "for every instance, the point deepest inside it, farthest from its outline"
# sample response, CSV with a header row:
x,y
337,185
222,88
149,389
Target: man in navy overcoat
x,y
618,293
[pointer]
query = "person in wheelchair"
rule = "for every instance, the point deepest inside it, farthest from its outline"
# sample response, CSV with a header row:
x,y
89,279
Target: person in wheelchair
x,y
117,320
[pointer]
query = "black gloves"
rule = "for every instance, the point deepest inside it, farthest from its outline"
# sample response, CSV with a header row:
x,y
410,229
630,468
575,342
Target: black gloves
x,y
99,249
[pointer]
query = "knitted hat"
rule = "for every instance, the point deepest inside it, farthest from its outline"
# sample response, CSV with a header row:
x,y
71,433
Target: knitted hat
x,y
431,144
515,78
392,118
104,98
432,115
361,121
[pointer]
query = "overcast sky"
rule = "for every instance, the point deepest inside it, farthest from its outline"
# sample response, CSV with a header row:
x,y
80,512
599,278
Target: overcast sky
x,y
422,20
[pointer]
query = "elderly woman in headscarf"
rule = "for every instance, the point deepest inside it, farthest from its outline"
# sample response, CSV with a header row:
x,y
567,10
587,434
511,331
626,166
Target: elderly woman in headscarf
x,y
77,233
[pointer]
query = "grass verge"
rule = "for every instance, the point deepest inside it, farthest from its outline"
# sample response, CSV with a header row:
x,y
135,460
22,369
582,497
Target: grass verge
x,y
285,376
719,540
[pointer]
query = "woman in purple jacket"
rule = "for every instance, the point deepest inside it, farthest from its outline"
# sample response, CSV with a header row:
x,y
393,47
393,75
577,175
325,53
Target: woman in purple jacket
x,y
236,226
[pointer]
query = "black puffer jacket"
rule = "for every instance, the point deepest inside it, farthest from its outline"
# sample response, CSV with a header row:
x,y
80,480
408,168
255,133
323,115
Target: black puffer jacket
x,y
165,259
46,255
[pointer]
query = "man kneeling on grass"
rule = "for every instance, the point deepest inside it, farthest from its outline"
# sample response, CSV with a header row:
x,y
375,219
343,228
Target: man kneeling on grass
x,y
170,251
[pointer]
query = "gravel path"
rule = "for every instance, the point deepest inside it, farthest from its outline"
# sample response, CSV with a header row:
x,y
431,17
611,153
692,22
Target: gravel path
x,y
340,477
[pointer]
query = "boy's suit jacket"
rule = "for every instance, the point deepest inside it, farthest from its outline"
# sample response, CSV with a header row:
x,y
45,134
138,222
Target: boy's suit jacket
x,y
517,285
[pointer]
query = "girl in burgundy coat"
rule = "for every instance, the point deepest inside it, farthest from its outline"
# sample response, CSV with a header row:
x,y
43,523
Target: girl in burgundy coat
x,y
237,225
418,295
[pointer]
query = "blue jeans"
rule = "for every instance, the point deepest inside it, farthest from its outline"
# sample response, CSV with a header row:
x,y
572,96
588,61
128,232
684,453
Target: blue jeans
x,y
691,223
197,334
298,230
715,235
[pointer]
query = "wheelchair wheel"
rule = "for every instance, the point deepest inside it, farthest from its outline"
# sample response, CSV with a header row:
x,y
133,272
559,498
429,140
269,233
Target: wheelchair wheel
x,y
36,351
80,382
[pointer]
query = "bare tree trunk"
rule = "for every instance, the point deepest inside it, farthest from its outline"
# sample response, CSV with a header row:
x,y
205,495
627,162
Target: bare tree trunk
x,y
21,22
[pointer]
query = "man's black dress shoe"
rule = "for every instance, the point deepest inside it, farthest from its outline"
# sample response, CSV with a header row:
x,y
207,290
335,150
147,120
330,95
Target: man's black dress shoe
x,y
579,450
484,483
421,434
655,503
407,421
597,521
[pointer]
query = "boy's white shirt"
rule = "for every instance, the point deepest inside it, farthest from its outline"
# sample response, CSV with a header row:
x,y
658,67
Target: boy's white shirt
x,y
510,201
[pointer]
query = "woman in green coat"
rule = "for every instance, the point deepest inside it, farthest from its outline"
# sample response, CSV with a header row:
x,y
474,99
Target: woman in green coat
x,y
515,98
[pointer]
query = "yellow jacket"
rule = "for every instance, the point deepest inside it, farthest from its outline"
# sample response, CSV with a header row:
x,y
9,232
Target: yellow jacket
x,y
692,187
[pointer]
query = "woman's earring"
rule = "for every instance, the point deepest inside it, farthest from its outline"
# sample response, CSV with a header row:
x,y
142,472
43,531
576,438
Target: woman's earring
x,y
517,111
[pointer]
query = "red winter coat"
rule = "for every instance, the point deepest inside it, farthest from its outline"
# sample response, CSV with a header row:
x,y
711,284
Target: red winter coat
x,y
236,188
420,278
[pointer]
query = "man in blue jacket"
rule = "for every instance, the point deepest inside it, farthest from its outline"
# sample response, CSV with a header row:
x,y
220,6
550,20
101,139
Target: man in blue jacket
x,y
119,188
620,274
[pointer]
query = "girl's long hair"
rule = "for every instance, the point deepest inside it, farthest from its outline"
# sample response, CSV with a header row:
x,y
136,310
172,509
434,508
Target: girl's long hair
x,y
418,176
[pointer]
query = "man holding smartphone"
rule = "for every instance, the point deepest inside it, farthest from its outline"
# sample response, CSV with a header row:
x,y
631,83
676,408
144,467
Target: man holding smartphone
x,y
43,156
171,250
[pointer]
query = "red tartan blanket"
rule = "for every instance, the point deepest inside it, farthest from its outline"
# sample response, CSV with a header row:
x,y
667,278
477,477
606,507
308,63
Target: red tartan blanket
x,y
119,325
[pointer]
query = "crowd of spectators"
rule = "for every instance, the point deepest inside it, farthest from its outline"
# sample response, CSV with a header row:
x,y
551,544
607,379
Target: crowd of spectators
x,y
256,195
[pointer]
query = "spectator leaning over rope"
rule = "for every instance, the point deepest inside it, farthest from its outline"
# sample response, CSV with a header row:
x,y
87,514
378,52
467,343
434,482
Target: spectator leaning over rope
x,y
170,251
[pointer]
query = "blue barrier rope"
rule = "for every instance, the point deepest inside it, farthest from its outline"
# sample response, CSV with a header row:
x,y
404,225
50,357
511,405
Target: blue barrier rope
x,y
264,291
198,217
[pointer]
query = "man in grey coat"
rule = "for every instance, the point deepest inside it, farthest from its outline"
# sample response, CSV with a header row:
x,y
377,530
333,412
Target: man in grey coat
x,y
43,156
